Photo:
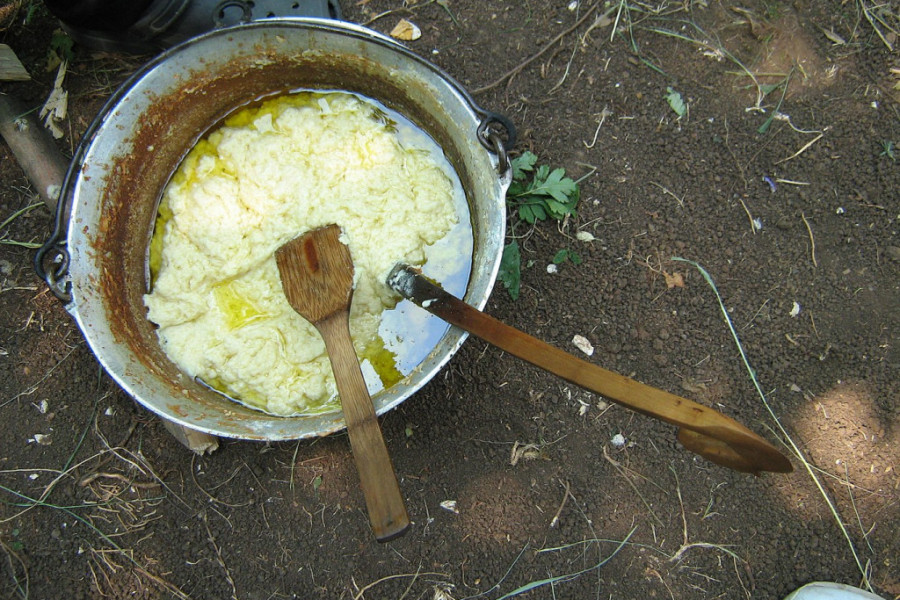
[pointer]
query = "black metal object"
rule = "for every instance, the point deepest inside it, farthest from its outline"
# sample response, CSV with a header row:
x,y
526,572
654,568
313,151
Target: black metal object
x,y
149,26
497,140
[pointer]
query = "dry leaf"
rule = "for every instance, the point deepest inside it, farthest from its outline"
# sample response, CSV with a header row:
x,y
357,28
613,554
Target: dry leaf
x,y
674,280
406,31
689,385
833,37
57,105
524,452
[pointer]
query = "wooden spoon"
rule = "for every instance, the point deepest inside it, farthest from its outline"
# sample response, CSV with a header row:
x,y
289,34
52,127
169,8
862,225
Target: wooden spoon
x,y
705,431
317,276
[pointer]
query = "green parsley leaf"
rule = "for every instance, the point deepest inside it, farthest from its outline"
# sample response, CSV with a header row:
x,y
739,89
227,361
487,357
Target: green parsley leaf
x,y
522,165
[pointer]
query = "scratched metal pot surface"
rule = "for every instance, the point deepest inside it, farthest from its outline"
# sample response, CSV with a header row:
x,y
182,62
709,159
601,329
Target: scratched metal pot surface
x,y
147,127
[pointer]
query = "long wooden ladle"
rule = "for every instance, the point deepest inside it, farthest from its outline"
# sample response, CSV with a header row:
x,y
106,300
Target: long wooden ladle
x,y
703,430
317,276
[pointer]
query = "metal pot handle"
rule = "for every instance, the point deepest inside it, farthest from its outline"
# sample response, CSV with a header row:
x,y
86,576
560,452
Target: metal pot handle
x,y
51,262
491,132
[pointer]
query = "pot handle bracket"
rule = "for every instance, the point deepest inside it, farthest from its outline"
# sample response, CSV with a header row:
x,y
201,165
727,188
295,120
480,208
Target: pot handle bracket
x,y
498,135
51,262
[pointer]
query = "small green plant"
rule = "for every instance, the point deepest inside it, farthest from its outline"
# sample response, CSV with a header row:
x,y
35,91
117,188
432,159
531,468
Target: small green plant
x,y
61,49
566,254
510,273
887,149
773,10
536,193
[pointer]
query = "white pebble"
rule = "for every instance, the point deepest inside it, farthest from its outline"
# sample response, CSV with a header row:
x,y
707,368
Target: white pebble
x,y
583,344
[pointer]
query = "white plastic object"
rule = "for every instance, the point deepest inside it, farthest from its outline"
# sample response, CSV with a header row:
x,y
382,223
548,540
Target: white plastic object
x,y
821,590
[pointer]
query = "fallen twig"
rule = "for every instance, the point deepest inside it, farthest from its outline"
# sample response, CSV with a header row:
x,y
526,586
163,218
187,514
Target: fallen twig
x,y
802,150
516,70
220,559
562,505
603,114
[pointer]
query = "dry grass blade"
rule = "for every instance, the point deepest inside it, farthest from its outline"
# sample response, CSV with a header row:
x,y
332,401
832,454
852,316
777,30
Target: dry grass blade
x,y
360,594
787,439
882,17
220,559
18,570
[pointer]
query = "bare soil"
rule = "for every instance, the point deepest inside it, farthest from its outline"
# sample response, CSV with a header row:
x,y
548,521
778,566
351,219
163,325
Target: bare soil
x,y
99,501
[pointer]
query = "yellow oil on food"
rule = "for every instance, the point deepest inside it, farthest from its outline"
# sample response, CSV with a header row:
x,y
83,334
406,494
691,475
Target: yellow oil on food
x,y
239,310
409,339
383,361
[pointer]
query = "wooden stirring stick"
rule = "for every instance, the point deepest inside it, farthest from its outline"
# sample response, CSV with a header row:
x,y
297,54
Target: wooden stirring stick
x,y
705,431
317,276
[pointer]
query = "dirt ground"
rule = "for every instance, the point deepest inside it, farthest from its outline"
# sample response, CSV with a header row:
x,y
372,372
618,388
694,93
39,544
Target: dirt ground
x,y
797,226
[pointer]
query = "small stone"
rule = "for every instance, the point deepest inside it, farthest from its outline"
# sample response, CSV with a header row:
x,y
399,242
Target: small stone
x,y
406,31
583,344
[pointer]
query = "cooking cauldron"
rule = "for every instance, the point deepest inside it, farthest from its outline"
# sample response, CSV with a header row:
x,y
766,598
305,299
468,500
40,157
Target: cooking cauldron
x,y
96,261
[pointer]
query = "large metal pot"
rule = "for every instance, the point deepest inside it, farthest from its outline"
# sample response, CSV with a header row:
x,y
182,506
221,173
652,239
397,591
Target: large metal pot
x,y
114,184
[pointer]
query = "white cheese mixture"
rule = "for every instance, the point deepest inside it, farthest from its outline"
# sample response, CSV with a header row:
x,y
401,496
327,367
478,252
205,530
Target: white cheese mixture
x,y
268,175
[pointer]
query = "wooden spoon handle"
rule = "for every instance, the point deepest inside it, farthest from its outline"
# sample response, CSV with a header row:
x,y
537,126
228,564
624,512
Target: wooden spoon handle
x,y
713,435
387,509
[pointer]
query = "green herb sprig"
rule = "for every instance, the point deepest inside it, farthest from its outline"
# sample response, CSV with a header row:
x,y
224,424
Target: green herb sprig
x,y
536,193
